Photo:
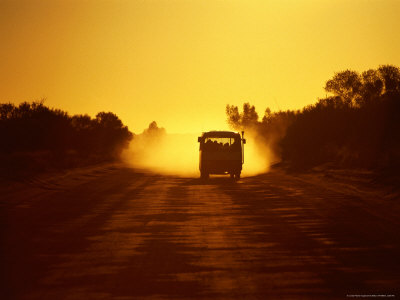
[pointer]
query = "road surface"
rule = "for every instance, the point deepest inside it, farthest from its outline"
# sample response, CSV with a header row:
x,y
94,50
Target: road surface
x,y
111,232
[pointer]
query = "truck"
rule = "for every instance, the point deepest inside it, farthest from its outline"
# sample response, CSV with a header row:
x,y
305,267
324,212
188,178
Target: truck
x,y
221,152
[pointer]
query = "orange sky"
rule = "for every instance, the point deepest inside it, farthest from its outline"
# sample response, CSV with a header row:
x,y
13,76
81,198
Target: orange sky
x,y
181,62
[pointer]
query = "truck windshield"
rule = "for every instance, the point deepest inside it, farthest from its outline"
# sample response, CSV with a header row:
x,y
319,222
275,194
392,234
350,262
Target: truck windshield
x,y
221,144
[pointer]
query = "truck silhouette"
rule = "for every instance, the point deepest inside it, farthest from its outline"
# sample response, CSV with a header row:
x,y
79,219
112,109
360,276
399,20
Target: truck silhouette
x,y
221,152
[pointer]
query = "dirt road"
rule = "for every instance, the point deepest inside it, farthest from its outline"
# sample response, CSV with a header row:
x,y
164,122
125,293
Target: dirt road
x,y
115,233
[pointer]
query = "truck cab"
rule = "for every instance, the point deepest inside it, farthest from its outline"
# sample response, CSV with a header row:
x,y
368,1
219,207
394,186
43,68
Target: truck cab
x,y
221,152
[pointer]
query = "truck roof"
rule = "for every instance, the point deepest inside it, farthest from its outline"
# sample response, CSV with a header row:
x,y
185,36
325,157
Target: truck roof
x,y
217,134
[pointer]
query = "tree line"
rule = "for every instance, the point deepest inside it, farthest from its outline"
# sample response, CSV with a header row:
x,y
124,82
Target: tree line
x,y
55,136
358,124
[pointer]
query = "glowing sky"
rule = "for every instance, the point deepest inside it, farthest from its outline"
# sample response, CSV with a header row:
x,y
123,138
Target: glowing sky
x,y
181,62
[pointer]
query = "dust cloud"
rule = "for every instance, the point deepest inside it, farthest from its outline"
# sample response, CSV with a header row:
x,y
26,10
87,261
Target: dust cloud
x,y
257,156
178,154
171,154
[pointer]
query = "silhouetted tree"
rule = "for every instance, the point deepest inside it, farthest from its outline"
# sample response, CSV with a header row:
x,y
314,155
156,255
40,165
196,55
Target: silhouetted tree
x,y
268,132
234,119
346,84
247,119
109,120
358,125
112,135
390,76
153,131
372,86
33,127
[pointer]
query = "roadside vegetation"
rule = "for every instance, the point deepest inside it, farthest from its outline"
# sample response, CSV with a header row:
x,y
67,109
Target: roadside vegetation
x,y
357,125
36,138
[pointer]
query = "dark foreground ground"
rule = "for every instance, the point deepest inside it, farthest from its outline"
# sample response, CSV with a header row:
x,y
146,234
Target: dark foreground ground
x,y
114,233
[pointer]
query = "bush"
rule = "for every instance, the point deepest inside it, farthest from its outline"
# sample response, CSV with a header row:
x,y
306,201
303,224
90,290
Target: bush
x,y
358,125
36,128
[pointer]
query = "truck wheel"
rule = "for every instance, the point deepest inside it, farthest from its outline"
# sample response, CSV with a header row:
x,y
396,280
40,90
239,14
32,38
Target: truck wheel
x,y
237,176
232,175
